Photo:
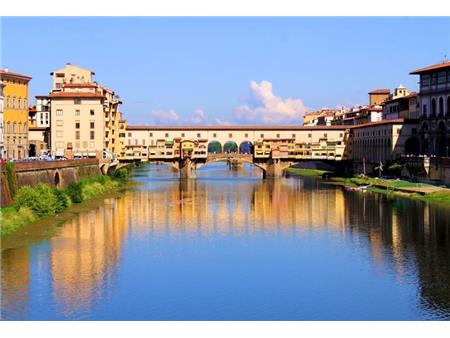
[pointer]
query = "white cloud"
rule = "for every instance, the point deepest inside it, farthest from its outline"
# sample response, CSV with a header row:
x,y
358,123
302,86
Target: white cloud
x,y
264,107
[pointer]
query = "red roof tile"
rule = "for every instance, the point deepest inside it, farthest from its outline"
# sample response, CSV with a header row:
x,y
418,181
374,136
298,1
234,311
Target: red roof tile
x,y
381,91
12,74
445,64
76,95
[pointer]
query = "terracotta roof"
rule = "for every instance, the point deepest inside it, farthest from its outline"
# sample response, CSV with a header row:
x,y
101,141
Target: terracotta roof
x,y
381,91
32,109
80,85
370,124
246,128
12,74
76,95
401,98
445,64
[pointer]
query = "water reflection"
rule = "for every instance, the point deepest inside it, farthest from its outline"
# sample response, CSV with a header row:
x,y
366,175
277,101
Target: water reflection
x,y
406,238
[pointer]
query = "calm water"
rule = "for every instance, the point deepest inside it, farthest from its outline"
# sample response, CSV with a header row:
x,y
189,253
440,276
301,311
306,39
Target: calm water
x,y
231,246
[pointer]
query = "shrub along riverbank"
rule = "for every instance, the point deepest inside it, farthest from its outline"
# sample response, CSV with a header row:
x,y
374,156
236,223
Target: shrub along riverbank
x,y
392,187
31,204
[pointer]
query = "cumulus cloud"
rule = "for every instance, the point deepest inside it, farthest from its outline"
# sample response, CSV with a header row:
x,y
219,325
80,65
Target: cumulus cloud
x,y
261,106
264,107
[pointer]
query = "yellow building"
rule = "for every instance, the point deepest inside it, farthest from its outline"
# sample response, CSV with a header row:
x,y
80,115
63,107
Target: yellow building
x,y
15,114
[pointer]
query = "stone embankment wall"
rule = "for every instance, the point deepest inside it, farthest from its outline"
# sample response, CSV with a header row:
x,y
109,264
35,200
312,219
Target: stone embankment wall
x,y
54,173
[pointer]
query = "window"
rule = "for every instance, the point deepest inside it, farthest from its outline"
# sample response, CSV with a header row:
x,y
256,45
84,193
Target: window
x,y
92,145
167,135
59,112
293,135
92,112
77,101
230,135
199,135
151,134
261,136
92,125
442,77
278,135
143,142
59,123
424,109
92,135
85,144
129,134
77,112
77,135
59,133
309,135
214,135
182,135
77,124
25,105
246,135
341,135
325,135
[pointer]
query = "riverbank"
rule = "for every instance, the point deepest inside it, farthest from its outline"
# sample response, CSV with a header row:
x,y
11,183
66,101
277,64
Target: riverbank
x,y
30,205
392,187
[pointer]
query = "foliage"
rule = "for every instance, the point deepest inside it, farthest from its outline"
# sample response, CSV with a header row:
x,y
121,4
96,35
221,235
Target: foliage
x,y
30,204
11,178
74,191
12,219
42,200
120,175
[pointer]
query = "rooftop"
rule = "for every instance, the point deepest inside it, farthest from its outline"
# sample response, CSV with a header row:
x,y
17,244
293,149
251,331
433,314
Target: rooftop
x,y
6,72
442,65
381,91
76,95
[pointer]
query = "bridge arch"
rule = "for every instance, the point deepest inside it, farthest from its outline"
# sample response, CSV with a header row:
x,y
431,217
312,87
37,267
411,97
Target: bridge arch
x,y
230,147
215,147
246,147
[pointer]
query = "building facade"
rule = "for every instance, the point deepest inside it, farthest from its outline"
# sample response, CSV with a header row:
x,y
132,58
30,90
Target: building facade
x,y
434,109
15,114
382,141
84,115
1,119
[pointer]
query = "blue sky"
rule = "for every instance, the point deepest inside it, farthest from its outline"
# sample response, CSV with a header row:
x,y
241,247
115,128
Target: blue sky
x,y
233,70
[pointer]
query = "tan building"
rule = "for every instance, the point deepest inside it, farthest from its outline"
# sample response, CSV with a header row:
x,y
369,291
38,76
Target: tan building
x,y
378,96
85,117
383,141
15,114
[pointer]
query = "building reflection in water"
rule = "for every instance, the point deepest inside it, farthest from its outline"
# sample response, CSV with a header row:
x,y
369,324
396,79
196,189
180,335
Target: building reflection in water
x,y
408,237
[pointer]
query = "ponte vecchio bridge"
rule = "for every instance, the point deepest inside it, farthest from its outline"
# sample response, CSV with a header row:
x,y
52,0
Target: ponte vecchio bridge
x,y
271,148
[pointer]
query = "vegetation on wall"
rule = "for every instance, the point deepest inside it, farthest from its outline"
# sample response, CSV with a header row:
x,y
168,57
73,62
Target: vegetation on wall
x,y
31,204
11,178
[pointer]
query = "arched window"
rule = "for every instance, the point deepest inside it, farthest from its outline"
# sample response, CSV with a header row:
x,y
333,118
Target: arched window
x,y
441,106
14,128
8,127
433,107
19,127
25,104
7,102
448,105
19,103
25,128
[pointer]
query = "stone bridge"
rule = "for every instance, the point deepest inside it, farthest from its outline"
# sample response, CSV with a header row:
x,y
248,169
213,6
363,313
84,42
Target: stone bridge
x,y
269,167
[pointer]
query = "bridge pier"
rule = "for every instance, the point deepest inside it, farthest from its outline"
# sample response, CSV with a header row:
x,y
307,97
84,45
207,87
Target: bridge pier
x,y
186,168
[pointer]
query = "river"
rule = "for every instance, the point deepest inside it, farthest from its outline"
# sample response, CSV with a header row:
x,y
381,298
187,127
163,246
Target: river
x,y
231,246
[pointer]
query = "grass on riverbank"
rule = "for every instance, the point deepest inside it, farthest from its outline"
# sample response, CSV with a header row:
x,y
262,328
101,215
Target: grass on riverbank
x,y
31,204
398,188
307,172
